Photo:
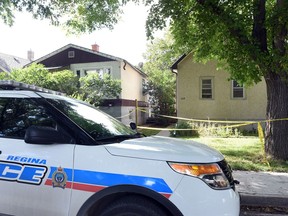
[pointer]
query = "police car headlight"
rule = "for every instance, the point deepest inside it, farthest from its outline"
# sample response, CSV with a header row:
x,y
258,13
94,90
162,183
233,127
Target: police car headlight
x,y
211,174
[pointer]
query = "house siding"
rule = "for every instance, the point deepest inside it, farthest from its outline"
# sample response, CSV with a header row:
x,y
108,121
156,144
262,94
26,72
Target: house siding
x,y
130,83
222,106
130,90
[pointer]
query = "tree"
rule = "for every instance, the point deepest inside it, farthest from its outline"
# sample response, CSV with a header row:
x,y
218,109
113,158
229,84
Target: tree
x,y
63,81
248,38
4,76
36,74
93,88
77,15
161,85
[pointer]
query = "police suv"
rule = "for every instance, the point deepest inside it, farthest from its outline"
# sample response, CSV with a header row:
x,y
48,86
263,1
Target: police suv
x,y
60,156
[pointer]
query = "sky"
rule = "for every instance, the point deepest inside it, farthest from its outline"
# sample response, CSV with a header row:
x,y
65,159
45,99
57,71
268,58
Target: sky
x,y
127,40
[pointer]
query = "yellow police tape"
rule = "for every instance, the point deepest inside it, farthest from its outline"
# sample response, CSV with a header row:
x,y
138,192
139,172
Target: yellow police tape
x,y
121,117
165,129
235,124
261,137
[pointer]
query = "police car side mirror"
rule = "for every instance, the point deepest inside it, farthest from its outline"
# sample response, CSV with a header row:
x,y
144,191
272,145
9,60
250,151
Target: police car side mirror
x,y
42,135
133,126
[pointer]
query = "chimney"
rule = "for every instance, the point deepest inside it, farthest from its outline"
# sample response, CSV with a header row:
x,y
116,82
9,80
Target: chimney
x,y
30,55
95,47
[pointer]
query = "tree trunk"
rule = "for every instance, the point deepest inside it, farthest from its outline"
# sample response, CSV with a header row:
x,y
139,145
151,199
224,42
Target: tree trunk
x,y
276,132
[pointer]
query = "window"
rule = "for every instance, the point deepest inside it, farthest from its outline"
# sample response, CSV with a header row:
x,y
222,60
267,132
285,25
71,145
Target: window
x,y
78,72
206,88
17,114
71,54
100,71
96,123
237,90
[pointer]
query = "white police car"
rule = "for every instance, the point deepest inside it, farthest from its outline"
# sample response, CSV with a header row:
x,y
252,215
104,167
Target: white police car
x,y
59,156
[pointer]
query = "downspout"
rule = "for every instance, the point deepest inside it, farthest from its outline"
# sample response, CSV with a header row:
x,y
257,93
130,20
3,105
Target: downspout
x,y
174,71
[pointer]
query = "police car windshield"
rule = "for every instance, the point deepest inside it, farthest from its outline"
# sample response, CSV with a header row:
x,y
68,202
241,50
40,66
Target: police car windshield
x,y
95,122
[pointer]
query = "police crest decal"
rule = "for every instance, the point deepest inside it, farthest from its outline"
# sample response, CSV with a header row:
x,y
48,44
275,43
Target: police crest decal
x,y
59,178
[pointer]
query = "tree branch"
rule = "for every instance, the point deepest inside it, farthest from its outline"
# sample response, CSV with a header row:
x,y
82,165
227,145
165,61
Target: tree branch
x,y
234,30
280,27
259,30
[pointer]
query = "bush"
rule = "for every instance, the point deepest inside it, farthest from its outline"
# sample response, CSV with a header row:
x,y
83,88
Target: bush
x,y
184,133
218,130
205,130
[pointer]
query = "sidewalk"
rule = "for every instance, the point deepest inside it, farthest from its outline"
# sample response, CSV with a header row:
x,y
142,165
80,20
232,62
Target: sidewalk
x,y
264,189
164,133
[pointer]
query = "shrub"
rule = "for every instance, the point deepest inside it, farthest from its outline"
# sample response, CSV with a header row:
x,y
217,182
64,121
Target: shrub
x,y
205,130
185,133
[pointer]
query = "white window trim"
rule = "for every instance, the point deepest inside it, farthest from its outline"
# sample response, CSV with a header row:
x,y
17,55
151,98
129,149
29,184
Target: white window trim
x,y
71,54
212,87
97,69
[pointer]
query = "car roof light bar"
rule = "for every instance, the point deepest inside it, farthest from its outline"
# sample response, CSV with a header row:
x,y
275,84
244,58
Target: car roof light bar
x,y
13,85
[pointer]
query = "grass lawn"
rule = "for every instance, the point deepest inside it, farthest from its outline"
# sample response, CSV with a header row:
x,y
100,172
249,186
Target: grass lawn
x,y
244,153
148,132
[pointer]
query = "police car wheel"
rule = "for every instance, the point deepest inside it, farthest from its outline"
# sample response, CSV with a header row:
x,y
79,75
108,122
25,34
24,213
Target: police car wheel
x,y
133,206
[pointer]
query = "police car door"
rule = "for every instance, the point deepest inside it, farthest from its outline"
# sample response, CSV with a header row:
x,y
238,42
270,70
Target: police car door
x,y
35,179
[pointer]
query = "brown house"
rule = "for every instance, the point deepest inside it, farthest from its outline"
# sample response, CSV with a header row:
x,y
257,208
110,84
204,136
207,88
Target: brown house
x,y
83,61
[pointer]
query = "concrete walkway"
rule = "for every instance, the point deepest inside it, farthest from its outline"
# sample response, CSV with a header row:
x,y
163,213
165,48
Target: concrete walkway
x,y
165,133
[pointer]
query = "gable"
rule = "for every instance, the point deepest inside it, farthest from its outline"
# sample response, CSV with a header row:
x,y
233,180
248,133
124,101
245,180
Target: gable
x,y
72,54
205,92
61,59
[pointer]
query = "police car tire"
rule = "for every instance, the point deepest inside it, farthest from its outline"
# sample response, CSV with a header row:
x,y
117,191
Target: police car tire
x,y
133,206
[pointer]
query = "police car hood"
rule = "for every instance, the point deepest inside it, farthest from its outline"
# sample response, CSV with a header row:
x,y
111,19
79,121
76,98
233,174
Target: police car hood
x,y
164,148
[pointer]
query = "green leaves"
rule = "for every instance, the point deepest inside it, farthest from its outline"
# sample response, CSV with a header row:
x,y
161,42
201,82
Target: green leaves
x,y
161,84
34,74
248,37
77,15
6,12
91,15
64,81
93,88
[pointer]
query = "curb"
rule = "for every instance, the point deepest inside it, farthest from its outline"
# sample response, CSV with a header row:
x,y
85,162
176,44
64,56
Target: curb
x,y
263,200
264,205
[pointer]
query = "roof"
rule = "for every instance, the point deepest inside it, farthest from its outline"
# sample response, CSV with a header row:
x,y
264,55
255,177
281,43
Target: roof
x,y
174,66
97,53
9,62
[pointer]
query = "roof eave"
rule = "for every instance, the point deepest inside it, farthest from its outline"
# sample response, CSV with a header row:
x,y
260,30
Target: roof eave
x,y
175,65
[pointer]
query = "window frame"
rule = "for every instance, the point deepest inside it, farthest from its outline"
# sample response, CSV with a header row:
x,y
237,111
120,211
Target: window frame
x,y
71,54
101,71
237,88
201,88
